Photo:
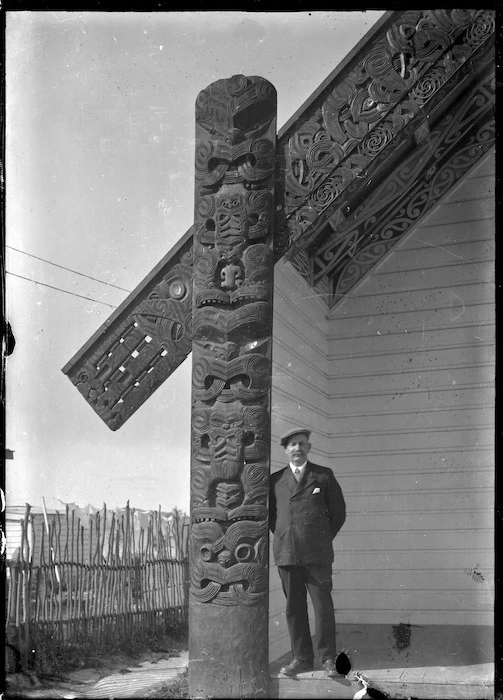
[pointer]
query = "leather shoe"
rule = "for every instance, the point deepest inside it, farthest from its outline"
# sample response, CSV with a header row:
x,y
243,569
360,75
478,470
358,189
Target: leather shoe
x,y
297,666
340,666
329,668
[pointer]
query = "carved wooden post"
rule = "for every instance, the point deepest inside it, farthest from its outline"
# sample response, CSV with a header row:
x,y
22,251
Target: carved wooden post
x,y
231,379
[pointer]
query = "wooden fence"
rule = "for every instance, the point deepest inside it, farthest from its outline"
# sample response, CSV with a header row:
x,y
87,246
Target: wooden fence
x,y
118,576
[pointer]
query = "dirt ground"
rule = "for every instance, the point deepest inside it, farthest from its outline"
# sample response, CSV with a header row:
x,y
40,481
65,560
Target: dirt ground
x,y
79,681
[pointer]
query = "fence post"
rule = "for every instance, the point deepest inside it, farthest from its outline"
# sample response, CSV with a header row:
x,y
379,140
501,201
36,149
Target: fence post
x,y
100,586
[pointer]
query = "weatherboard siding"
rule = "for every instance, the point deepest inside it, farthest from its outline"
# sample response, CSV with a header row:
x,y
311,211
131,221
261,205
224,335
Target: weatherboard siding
x,y
397,382
299,392
411,396
299,396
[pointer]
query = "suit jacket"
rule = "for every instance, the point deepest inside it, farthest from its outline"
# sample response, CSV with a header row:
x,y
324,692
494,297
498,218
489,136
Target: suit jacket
x,y
305,517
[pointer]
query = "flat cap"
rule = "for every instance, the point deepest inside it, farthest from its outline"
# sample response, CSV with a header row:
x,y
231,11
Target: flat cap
x,y
293,431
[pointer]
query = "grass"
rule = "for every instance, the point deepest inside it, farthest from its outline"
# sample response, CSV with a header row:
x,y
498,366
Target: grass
x,y
177,688
54,657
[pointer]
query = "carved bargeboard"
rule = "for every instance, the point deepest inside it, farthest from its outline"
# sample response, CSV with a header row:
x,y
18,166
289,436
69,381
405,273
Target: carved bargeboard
x,y
352,236
330,159
141,344
231,380
435,59
358,116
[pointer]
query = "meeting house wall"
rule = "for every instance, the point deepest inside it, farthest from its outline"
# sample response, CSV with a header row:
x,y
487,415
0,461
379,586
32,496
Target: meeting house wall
x,y
299,397
397,383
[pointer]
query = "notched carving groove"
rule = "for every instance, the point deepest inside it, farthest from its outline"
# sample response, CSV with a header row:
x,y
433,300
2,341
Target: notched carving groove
x,y
232,324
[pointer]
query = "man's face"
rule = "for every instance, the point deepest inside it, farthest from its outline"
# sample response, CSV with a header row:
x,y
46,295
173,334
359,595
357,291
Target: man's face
x,y
297,448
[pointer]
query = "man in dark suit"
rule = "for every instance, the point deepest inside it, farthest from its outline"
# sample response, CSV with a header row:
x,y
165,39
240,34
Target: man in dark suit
x,y
306,511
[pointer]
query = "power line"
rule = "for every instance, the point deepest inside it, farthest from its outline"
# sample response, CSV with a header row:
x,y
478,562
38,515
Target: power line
x,y
96,301
66,268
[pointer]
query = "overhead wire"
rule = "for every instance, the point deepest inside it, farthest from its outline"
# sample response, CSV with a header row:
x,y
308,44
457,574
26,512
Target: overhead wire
x,y
62,267
65,291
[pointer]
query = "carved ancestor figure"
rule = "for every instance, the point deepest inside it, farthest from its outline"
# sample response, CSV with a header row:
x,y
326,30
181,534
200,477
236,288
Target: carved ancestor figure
x,y
231,379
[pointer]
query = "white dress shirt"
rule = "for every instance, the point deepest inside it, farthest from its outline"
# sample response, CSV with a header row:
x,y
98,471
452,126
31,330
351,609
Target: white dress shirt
x,y
301,468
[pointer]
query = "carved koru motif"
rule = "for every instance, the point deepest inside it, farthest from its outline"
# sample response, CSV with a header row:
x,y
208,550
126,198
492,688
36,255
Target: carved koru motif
x,y
372,101
404,211
456,142
232,326
228,566
144,345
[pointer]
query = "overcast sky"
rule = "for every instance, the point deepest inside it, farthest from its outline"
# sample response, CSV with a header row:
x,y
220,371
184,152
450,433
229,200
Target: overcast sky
x,y
100,150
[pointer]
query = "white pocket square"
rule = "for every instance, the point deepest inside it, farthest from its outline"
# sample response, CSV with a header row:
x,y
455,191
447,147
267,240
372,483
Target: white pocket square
x,y
316,491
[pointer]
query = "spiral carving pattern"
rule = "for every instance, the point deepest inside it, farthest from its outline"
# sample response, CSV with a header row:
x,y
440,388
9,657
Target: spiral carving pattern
x,y
371,103
232,324
141,347
411,191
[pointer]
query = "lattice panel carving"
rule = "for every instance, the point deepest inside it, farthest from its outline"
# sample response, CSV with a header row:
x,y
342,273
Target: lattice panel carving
x,y
143,344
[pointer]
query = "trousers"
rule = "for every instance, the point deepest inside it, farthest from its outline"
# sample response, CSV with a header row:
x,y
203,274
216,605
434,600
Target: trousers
x,y
296,582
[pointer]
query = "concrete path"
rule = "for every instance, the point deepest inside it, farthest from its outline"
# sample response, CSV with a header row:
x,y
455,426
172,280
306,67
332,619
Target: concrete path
x,y
475,682
464,682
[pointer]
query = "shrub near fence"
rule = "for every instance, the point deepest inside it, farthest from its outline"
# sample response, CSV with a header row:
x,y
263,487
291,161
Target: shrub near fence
x,y
116,580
